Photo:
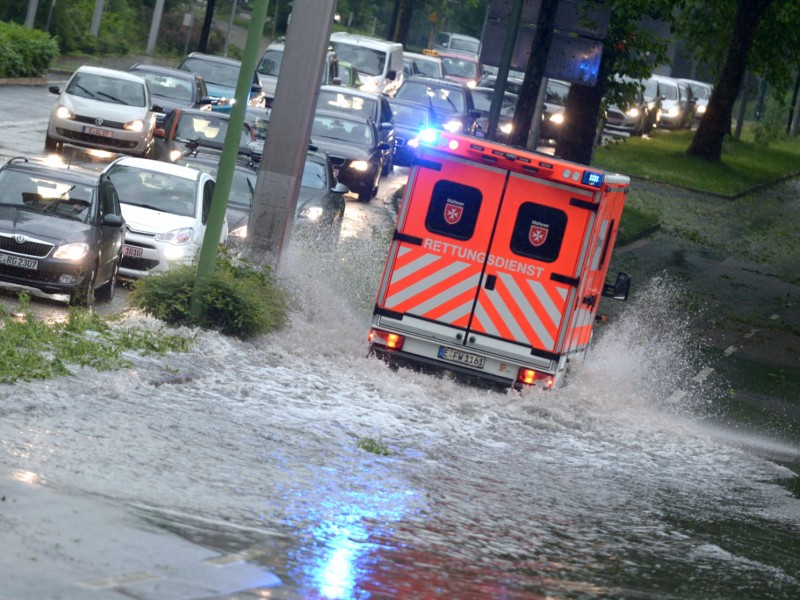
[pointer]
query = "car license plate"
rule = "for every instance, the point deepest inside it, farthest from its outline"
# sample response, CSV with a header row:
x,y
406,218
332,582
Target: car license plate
x,y
18,261
99,132
132,251
473,360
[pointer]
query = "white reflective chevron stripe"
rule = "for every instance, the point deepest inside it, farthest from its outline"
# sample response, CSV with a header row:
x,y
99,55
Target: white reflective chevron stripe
x,y
412,267
546,302
527,310
508,317
457,313
524,307
425,284
484,321
470,283
598,251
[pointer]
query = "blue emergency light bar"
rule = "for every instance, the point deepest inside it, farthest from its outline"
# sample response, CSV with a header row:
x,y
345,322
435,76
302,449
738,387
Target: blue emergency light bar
x,y
592,178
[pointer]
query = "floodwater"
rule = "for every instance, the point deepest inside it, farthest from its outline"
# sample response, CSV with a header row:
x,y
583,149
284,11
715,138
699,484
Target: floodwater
x,y
622,484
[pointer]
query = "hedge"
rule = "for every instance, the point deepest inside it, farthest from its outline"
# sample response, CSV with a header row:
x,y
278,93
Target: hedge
x,y
25,52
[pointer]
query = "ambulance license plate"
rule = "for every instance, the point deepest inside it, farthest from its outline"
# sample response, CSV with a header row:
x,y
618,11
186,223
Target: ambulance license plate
x,y
473,360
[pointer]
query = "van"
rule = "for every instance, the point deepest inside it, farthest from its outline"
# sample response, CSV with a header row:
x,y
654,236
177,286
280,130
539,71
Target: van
x,y
497,263
269,68
379,63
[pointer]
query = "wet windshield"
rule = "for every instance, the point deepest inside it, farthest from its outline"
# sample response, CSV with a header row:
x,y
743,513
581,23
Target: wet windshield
x,y
314,175
483,102
363,107
47,195
271,63
162,192
107,89
213,72
410,116
447,99
460,67
365,60
343,129
207,129
168,86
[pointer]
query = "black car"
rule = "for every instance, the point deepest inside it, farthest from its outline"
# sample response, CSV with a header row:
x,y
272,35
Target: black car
x,y
483,102
61,231
451,101
197,128
410,119
364,104
172,88
320,204
354,148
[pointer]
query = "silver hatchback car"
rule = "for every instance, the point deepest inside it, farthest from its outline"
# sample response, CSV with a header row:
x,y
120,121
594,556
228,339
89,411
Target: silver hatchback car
x,y
103,109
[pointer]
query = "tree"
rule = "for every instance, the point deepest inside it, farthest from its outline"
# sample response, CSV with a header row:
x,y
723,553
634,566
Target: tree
x,y
749,14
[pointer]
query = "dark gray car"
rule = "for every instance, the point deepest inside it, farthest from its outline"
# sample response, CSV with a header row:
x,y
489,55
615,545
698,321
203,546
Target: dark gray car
x,y
61,231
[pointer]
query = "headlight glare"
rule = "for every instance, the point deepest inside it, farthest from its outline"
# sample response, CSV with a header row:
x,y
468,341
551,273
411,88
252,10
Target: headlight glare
x,y
359,165
557,118
74,251
453,126
136,125
176,237
62,112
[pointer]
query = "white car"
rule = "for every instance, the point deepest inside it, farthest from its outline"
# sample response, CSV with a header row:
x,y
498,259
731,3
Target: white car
x,y
103,109
166,208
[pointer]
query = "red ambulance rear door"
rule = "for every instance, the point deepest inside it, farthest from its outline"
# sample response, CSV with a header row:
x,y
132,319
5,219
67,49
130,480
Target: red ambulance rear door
x,y
533,265
443,231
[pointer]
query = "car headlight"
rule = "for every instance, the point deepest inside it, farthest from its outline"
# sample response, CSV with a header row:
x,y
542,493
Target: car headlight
x,y
359,165
633,112
557,118
701,109
506,128
136,125
175,155
312,213
413,142
239,232
675,111
74,251
453,126
62,112
472,83
176,237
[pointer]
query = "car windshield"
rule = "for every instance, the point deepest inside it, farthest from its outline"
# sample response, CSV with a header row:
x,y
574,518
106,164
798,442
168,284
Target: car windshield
x,y
440,98
163,192
314,175
365,60
343,129
465,45
243,183
411,116
213,72
167,86
208,128
107,89
270,63
45,194
557,93
427,68
650,88
358,105
701,92
460,67
483,102
259,120
669,91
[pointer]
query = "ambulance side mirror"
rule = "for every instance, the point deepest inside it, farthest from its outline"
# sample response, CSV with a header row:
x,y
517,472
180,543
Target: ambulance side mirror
x,y
620,289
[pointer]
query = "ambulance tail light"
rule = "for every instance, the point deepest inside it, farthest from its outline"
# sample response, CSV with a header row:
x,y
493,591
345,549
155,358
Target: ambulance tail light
x,y
530,377
384,338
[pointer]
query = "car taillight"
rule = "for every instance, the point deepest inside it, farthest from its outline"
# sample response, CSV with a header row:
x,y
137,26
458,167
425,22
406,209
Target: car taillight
x,y
529,377
384,338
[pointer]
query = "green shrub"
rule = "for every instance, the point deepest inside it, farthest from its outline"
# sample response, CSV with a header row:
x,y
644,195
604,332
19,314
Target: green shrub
x,y
25,52
239,299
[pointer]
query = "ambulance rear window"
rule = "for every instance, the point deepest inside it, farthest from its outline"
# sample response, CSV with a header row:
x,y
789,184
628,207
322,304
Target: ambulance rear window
x,y
538,232
453,210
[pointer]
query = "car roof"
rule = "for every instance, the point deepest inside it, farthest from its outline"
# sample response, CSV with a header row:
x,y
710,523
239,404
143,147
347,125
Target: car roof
x,y
433,81
158,166
350,91
344,116
362,40
420,56
214,58
109,73
67,173
163,70
462,54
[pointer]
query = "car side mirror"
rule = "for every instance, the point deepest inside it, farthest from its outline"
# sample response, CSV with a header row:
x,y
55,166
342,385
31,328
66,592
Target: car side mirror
x,y
340,188
54,89
157,108
620,289
391,75
113,220
205,100
159,133
255,88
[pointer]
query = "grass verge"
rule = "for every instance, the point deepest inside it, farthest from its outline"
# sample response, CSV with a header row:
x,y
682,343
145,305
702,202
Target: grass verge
x,y
662,157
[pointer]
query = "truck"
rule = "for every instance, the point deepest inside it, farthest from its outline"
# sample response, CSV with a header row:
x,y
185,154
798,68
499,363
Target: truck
x,y
497,263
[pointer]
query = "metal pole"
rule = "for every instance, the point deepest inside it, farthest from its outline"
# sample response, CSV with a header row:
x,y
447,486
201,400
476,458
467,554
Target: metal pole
x,y
154,24
281,170
275,18
49,16
30,18
227,163
502,70
94,28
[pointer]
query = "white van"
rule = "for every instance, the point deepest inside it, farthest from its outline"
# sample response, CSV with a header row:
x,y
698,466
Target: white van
x,y
269,67
379,63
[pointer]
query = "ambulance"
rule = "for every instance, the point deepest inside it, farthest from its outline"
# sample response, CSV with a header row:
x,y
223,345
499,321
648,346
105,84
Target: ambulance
x,y
497,262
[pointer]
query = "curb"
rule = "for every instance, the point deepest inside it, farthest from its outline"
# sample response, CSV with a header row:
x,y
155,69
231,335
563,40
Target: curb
x,y
28,81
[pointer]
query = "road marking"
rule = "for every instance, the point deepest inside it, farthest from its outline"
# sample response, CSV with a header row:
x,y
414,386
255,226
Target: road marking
x,y
729,350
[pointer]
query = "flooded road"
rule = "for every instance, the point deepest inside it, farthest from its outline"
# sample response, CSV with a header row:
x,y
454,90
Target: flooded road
x,y
613,486
644,477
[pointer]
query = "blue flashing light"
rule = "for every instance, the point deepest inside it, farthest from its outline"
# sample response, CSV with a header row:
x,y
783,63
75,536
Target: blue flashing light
x,y
592,178
429,137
